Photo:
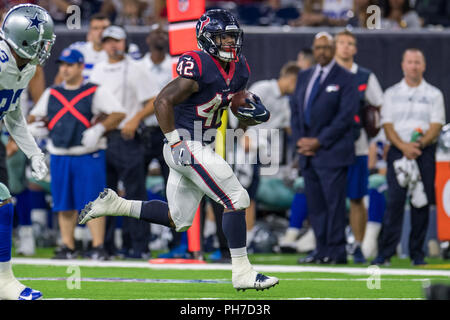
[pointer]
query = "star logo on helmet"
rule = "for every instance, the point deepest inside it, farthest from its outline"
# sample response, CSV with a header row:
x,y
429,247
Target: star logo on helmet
x,y
35,22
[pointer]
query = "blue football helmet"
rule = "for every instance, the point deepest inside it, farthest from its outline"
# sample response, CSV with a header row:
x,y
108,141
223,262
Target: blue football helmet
x,y
214,27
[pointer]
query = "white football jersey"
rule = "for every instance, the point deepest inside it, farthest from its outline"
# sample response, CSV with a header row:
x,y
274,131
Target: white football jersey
x,y
12,81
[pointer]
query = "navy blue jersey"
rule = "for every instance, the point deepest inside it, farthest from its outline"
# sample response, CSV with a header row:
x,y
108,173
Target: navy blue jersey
x,y
203,109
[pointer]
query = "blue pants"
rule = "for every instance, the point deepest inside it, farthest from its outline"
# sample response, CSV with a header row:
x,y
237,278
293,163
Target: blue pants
x,y
76,180
358,178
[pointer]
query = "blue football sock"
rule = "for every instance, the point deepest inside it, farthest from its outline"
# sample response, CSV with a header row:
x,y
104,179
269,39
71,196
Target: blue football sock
x,y
299,211
37,199
377,206
6,224
155,211
235,229
23,208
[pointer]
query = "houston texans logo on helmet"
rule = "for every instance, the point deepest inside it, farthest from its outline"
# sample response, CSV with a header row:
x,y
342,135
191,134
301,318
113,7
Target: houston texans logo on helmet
x,y
203,24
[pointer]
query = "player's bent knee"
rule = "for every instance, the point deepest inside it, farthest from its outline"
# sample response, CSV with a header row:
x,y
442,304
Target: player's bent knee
x,y
180,226
243,201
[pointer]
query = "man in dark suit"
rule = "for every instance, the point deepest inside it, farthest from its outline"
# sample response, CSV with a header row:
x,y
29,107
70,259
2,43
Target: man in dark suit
x,y
324,105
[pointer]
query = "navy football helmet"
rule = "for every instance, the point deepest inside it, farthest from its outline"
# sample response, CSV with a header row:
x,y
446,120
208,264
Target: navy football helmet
x,y
214,30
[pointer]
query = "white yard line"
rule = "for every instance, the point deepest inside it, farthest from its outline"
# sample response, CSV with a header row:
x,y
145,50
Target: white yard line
x,y
218,266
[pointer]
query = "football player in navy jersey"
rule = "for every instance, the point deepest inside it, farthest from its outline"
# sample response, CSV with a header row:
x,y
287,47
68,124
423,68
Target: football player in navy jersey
x,y
189,111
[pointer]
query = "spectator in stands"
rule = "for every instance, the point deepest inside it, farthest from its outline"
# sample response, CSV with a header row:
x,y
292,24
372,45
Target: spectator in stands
x,y
76,146
58,8
410,107
324,13
128,82
305,59
134,12
360,14
370,92
398,14
434,12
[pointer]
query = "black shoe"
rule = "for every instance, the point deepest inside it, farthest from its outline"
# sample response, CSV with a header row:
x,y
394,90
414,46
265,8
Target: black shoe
x,y
358,256
65,253
418,262
309,259
338,261
97,253
380,261
140,255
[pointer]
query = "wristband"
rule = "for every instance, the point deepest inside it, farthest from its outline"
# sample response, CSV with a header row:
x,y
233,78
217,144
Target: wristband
x,y
172,137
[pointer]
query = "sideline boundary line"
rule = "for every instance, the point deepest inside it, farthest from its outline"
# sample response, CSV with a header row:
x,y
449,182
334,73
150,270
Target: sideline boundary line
x,y
219,266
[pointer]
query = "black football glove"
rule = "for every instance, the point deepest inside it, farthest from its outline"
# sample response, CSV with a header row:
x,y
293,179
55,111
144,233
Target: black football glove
x,y
256,111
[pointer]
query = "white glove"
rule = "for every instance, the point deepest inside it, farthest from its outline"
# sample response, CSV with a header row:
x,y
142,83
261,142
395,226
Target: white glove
x,y
92,135
38,129
38,166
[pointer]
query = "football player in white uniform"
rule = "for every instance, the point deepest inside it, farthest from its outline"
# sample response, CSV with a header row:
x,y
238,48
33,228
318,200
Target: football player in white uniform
x,y
26,40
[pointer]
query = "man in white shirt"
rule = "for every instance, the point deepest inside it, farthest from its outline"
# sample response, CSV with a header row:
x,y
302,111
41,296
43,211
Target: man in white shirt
x,y
358,175
409,106
124,77
157,64
76,147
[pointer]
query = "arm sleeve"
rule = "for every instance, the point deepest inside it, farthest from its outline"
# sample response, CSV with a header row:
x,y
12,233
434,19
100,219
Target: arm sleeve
x,y
147,87
40,109
438,110
386,115
105,102
17,127
94,77
189,66
374,93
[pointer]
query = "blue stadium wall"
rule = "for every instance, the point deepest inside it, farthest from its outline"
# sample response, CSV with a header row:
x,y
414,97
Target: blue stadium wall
x,y
268,48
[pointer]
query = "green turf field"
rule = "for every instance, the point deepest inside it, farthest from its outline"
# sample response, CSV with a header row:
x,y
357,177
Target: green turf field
x,y
123,280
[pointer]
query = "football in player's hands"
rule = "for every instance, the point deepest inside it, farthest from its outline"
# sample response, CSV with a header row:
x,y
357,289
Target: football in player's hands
x,y
248,108
238,100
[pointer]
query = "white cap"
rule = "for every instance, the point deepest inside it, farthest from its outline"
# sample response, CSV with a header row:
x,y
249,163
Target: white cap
x,y
114,32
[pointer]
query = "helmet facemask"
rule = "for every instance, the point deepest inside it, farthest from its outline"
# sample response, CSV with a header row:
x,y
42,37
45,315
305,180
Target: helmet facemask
x,y
223,51
228,52
38,51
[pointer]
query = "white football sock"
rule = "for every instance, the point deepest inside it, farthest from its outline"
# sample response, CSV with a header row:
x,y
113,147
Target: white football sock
x,y
10,287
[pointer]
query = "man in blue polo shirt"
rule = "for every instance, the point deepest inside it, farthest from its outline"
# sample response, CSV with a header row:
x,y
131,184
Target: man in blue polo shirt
x,y
71,111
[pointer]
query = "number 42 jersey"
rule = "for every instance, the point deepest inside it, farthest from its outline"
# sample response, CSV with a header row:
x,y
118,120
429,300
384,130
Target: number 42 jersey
x,y
12,80
203,110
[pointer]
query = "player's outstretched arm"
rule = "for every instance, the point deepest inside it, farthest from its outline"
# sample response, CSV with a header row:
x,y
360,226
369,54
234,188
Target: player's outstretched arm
x,y
17,127
171,95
